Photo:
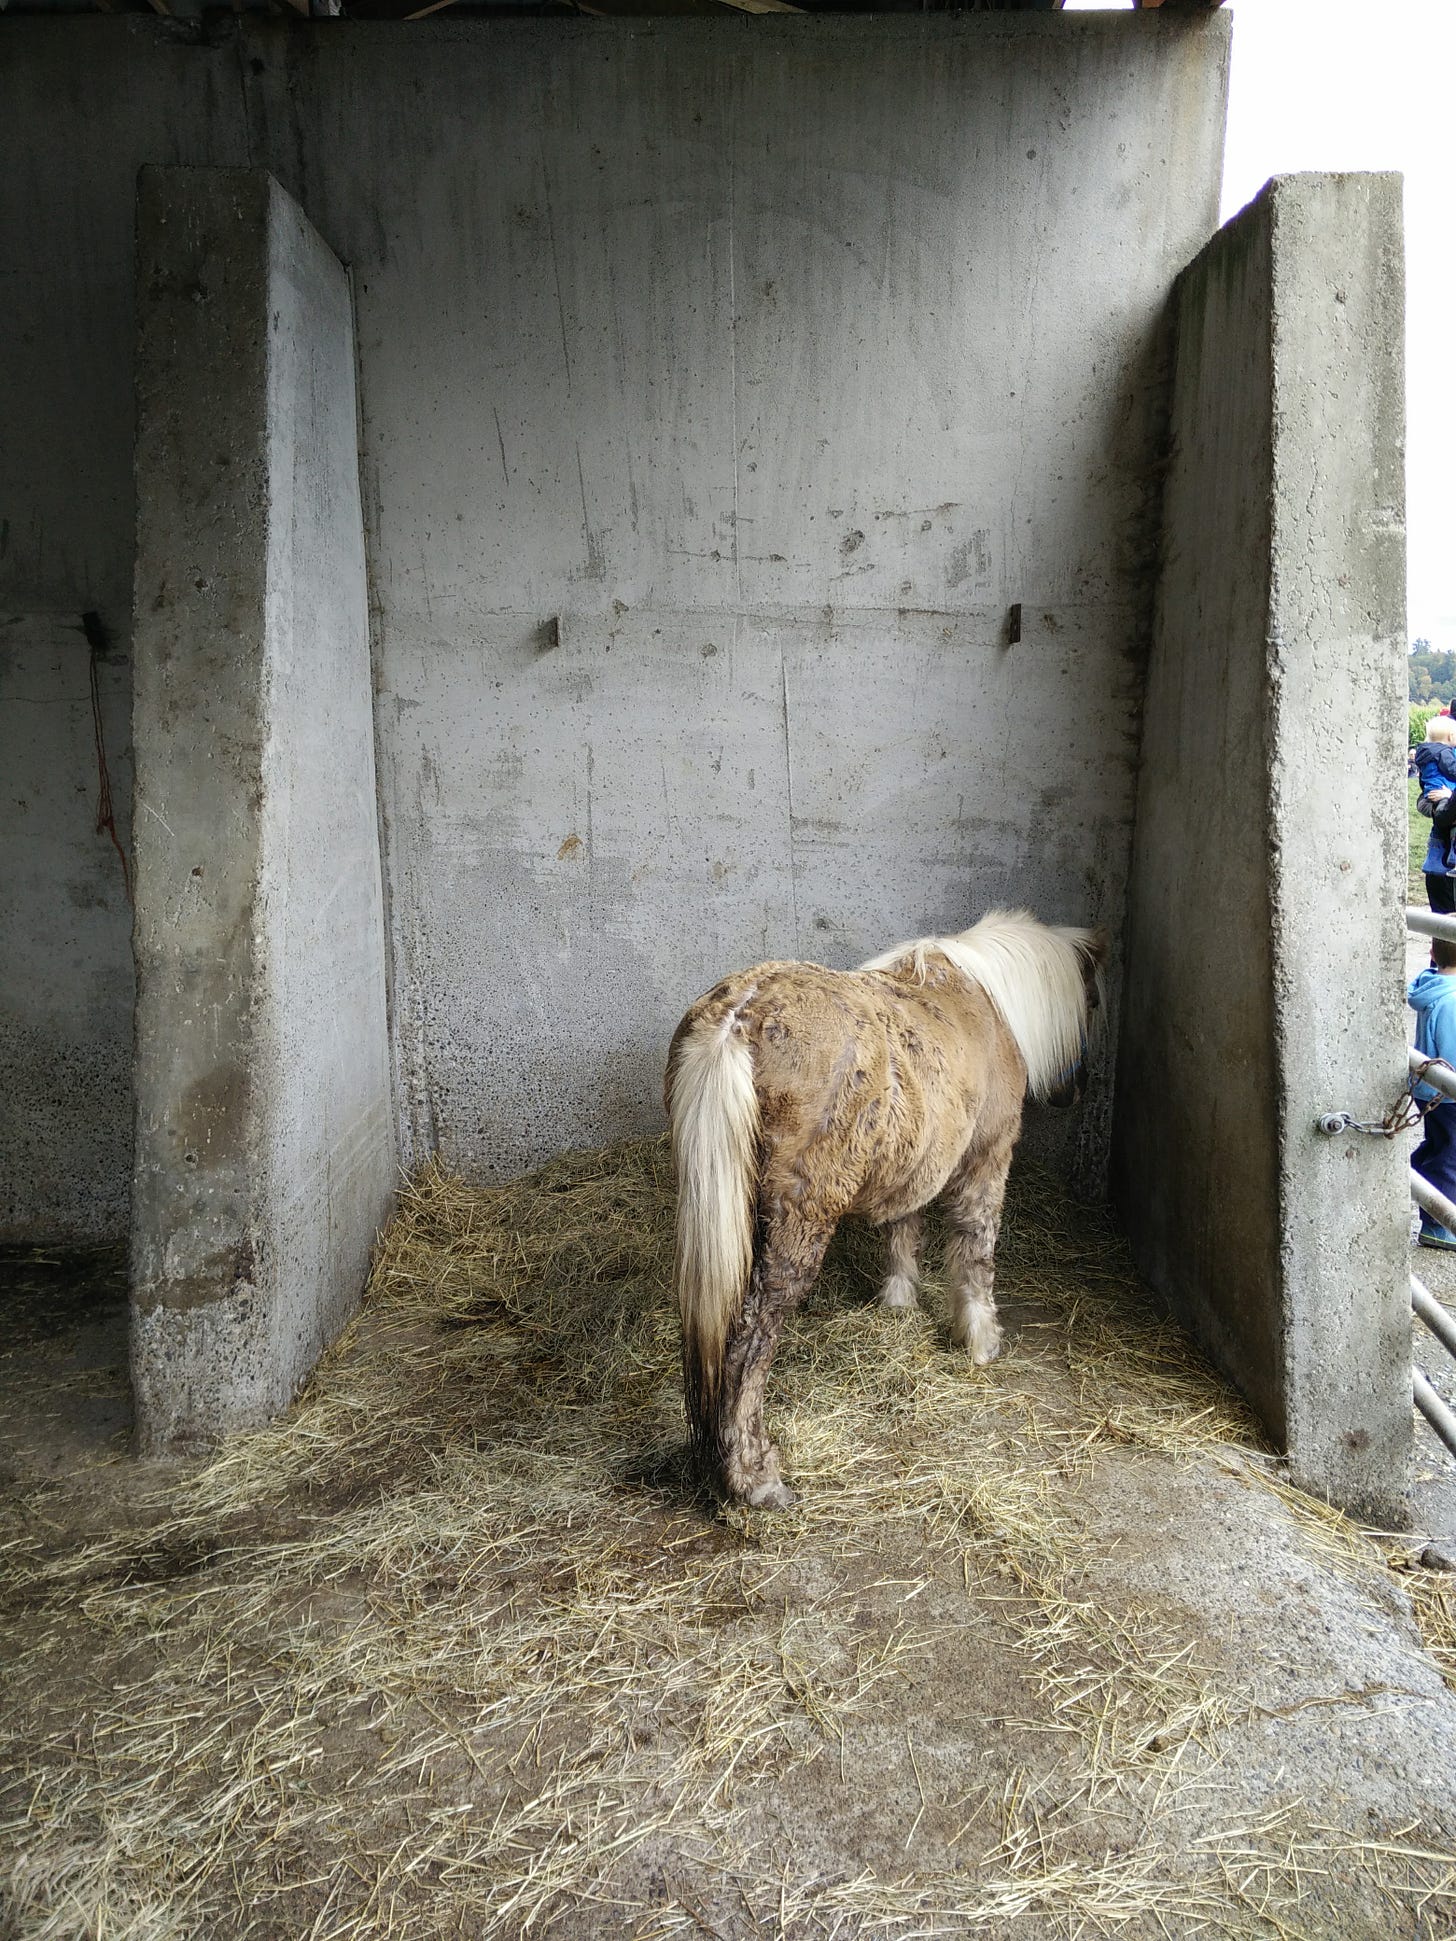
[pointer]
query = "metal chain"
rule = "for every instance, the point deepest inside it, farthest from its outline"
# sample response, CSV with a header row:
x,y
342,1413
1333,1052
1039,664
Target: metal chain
x,y
1404,1116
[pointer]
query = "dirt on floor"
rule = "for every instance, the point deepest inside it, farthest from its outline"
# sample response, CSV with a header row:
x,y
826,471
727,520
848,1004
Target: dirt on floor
x,y
457,1649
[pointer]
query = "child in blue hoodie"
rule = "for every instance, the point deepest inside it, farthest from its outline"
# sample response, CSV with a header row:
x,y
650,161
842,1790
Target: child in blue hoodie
x,y
1432,996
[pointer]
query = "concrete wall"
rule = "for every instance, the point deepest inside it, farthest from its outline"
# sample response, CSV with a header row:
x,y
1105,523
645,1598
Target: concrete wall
x,y
1264,940
65,926
265,1149
66,542
763,365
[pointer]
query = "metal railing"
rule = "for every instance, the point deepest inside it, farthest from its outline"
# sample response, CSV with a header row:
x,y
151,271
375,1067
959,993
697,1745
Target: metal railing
x,y
1426,1308
1429,923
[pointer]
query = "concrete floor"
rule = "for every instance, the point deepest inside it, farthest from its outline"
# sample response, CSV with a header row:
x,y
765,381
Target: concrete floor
x,y
1316,1756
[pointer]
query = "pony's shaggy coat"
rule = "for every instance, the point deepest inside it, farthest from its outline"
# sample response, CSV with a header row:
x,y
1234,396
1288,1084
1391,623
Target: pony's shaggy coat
x,y
798,1095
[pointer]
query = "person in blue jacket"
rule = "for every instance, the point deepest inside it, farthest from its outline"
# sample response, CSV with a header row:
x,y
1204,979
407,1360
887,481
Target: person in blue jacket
x,y
1435,760
1432,996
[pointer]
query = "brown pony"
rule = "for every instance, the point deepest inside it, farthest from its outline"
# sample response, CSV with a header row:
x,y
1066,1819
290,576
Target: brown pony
x,y
798,1095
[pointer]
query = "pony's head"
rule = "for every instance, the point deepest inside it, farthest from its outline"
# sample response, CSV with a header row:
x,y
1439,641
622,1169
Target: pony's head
x,y
1070,1083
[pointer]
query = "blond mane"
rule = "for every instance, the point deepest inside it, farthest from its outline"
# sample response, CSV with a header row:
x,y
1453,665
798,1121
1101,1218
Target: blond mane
x,y
1033,973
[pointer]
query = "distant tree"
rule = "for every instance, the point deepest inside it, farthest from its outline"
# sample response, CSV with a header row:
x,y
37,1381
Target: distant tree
x,y
1430,675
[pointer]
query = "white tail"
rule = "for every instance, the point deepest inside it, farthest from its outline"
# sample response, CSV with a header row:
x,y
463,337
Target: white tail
x,y
714,1111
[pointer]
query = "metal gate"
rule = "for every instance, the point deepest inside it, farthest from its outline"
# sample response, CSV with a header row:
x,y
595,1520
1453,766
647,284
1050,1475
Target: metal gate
x,y
1402,1117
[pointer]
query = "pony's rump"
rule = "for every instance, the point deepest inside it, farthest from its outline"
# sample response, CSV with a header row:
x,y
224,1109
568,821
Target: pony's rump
x,y
715,1126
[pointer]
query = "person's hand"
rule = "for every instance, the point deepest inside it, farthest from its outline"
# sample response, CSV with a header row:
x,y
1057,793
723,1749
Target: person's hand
x,y
1440,795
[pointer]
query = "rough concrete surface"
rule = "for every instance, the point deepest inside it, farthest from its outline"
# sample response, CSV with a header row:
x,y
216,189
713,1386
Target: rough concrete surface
x,y
65,925
1217,1723
67,540
1265,932
265,1147
771,459
766,365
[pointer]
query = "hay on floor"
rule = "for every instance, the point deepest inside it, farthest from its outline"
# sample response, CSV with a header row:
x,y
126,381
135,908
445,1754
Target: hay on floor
x,y
456,1648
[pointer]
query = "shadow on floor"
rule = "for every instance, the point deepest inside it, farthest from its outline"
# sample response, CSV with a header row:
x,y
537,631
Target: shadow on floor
x,y
65,1397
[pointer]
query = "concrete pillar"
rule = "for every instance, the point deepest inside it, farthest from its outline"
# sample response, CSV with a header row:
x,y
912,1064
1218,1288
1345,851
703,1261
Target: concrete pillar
x,y
1264,960
265,1145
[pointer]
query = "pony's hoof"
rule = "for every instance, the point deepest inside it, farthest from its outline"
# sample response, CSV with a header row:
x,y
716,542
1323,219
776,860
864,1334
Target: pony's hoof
x,y
771,1496
899,1293
980,1335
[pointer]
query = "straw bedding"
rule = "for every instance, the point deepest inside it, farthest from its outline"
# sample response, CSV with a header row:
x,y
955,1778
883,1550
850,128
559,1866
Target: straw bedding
x,y
456,1649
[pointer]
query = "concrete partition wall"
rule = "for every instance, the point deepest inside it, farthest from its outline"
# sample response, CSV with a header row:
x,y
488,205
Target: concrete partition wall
x,y
1264,952
265,1145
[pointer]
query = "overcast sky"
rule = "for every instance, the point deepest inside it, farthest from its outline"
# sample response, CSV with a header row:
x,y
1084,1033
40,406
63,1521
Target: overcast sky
x,y
1367,84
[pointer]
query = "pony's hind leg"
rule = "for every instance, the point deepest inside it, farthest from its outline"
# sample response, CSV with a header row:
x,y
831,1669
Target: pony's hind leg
x,y
973,1214
903,1265
786,1264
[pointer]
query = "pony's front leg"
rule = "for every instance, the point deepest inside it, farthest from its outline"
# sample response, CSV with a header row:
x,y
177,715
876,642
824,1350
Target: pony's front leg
x,y
786,1264
904,1261
973,1214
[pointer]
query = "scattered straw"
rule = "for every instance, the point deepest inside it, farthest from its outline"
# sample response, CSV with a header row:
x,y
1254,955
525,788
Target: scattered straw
x,y
455,1648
